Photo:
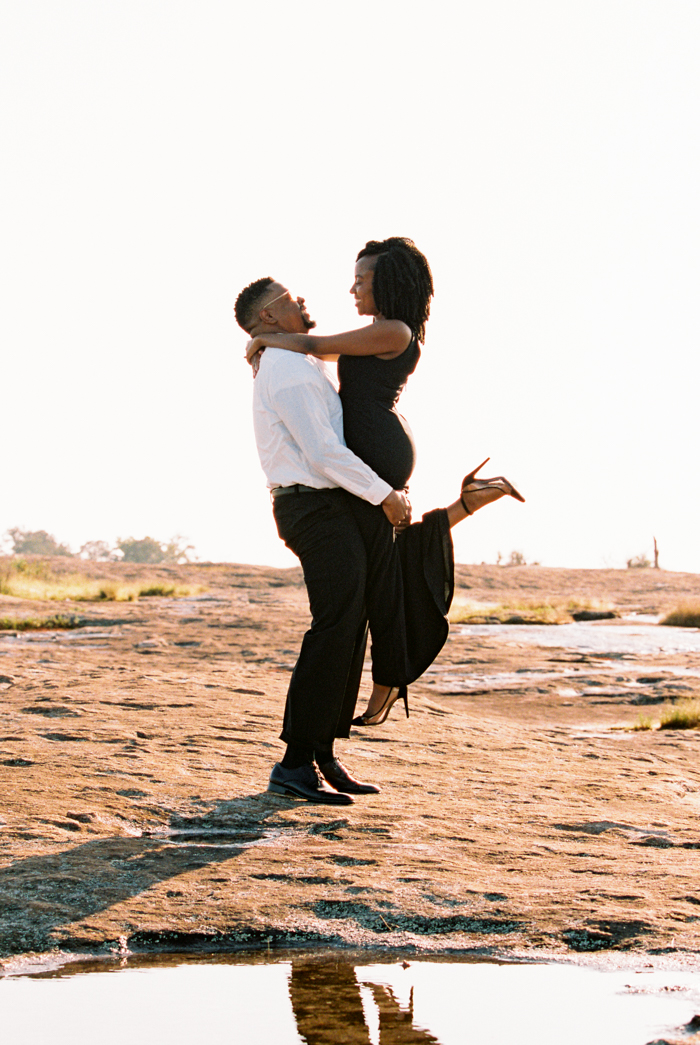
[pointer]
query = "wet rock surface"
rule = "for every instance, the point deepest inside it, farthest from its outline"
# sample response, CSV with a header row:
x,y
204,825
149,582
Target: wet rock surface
x,y
519,811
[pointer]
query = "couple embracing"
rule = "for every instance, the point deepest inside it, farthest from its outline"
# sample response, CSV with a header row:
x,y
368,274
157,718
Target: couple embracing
x,y
337,465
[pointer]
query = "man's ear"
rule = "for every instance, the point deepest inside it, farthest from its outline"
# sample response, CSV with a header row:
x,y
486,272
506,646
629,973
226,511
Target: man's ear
x,y
266,317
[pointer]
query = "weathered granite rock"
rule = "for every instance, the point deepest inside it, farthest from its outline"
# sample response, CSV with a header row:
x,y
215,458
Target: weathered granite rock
x,y
519,811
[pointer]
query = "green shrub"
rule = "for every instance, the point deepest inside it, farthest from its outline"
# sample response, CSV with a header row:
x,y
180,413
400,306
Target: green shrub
x,y
36,581
39,623
158,589
683,715
528,611
687,615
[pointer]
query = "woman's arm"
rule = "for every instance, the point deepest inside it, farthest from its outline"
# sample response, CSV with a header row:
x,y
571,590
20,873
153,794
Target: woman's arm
x,y
386,338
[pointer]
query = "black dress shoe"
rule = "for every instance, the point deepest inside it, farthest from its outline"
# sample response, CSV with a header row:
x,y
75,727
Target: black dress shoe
x,y
305,782
338,777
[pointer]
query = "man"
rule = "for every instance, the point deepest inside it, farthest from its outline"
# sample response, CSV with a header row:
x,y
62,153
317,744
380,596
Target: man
x,y
312,475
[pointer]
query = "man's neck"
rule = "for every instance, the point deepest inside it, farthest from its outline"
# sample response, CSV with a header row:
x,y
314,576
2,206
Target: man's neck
x,y
265,328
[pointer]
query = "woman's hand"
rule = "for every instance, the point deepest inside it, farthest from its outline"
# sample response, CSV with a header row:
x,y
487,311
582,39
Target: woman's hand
x,y
254,346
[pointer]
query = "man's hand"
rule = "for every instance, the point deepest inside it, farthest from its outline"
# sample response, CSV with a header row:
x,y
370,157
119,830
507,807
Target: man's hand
x,y
397,509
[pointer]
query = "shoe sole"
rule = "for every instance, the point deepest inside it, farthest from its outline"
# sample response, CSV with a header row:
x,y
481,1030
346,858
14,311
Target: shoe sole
x,y
328,800
356,790
363,792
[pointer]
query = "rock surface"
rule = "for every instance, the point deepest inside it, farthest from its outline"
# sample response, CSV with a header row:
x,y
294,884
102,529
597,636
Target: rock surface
x,y
519,813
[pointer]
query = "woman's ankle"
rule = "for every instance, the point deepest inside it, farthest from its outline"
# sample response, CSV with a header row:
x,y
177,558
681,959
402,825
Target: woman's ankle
x,y
475,499
456,513
377,697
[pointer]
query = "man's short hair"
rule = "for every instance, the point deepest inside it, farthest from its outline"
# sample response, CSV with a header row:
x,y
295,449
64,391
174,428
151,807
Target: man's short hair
x,y
246,307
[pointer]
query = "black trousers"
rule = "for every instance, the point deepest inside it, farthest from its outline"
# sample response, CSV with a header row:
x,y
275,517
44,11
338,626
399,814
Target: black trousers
x,y
355,572
321,530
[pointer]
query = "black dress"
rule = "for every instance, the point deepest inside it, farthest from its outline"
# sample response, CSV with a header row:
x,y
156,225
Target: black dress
x,y
374,429
410,595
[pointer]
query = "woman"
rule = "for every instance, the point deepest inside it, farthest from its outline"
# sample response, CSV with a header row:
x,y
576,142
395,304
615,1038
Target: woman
x,y
407,606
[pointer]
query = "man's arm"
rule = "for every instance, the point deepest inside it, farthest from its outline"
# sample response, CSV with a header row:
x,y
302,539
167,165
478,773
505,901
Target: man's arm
x,y
304,411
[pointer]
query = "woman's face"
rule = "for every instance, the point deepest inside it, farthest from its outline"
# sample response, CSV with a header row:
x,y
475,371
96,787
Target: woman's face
x,y
361,289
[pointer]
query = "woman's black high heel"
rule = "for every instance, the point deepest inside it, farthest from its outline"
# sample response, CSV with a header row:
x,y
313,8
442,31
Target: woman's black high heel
x,y
394,694
470,484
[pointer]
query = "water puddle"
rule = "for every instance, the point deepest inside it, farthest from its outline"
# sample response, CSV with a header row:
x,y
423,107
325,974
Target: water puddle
x,y
456,682
638,639
77,637
275,1000
218,838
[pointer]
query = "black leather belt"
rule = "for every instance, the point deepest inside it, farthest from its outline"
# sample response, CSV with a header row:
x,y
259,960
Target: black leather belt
x,y
280,491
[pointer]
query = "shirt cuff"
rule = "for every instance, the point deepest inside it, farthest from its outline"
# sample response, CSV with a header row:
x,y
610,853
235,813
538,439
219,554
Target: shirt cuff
x,y
377,492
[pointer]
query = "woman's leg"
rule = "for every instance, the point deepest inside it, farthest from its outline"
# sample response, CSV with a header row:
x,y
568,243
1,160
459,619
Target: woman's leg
x,y
384,595
425,561
475,500
469,502
426,573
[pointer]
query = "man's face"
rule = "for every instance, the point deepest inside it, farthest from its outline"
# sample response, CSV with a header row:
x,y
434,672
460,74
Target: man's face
x,y
289,313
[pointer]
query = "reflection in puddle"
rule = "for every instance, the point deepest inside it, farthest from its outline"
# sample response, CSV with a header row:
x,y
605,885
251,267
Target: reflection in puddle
x,y
324,1000
594,638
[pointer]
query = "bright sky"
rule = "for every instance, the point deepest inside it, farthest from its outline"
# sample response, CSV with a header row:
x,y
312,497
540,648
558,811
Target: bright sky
x,y
158,156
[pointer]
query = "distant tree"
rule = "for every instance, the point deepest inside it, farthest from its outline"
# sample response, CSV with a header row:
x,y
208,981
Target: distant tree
x,y
516,559
176,550
638,562
144,550
35,542
149,550
97,551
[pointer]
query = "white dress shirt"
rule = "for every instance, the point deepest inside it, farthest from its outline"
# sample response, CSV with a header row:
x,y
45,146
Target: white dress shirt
x,y
298,421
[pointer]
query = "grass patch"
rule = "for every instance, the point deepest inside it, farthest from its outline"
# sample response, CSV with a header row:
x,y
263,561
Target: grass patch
x,y
528,611
643,722
683,715
38,582
161,589
59,620
687,615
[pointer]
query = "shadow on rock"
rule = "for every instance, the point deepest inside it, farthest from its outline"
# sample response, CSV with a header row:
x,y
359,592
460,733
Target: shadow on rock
x,y
40,896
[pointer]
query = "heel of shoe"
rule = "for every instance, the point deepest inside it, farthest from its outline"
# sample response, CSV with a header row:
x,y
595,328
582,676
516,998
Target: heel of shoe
x,y
472,475
279,789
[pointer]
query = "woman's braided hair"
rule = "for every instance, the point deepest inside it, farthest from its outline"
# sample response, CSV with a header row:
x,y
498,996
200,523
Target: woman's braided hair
x,y
402,283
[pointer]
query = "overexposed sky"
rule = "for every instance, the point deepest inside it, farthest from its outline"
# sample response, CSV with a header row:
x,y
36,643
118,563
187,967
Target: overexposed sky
x,y
158,156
